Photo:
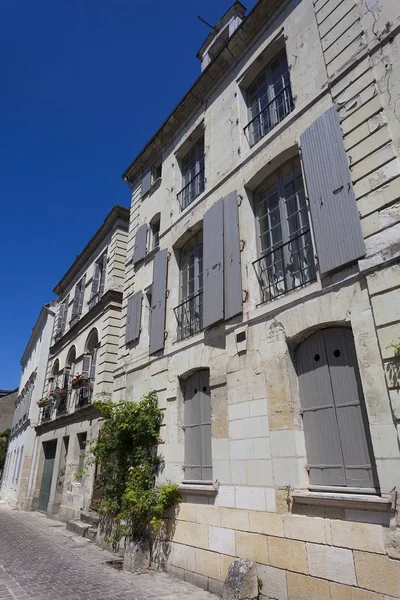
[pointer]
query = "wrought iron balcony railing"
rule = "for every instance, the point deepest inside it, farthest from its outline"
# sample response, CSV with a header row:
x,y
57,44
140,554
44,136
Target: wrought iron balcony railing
x,y
63,405
269,116
189,315
286,267
191,190
84,394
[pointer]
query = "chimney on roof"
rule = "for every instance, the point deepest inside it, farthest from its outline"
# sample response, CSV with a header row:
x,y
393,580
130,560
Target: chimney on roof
x,y
221,33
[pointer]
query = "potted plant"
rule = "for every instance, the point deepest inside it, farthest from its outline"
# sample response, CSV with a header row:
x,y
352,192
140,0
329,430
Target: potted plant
x,y
43,402
79,381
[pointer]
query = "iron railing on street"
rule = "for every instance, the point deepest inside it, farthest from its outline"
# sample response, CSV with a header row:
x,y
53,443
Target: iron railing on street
x,y
286,267
189,315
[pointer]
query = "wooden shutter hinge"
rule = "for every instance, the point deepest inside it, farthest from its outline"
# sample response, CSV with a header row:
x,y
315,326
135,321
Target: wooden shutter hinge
x,y
239,199
242,244
165,335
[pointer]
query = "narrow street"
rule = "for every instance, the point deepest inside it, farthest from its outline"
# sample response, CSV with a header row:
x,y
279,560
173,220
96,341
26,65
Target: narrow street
x,y
40,559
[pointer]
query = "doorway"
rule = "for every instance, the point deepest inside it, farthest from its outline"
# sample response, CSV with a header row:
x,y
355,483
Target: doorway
x,y
49,449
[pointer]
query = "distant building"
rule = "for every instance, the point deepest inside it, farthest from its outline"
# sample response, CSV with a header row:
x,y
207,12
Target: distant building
x,y
82,359
7,406
21,445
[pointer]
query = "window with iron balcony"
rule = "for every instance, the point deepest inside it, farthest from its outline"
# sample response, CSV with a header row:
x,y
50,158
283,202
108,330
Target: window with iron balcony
x,y
193,180
189,313
286,255
269,99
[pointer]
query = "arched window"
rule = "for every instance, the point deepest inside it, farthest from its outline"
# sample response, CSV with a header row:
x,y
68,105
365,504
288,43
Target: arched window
x,y
90,356
55,374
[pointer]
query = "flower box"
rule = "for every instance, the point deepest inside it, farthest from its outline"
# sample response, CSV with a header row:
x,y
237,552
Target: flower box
x,y
43,402
79,381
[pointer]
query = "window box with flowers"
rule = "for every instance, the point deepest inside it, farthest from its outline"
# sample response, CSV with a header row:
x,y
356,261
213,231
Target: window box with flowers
x,y
57,395
43,402
79,381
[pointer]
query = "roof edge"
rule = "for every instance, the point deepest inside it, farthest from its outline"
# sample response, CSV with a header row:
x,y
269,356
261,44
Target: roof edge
x,y
46,309
116,213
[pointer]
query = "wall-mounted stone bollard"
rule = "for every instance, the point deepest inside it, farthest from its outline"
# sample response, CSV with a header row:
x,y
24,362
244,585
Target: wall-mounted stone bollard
x,y
241,582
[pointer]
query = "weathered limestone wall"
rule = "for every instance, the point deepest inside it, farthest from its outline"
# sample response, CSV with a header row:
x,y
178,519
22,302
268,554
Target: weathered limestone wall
x,y
341,52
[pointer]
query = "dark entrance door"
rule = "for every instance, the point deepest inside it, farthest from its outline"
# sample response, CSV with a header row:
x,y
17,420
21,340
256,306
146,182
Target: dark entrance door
x,y
49,449
334,416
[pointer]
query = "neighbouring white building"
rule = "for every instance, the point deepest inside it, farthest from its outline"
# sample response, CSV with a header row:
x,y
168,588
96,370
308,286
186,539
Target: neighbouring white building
x,y
20,449
262,300
84,344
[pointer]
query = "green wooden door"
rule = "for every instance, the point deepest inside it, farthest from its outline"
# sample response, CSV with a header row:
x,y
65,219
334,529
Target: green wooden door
x,y
49,458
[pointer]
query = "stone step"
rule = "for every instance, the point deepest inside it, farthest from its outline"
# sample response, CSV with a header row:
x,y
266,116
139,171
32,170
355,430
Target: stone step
x,y
91,534
90,518
78,527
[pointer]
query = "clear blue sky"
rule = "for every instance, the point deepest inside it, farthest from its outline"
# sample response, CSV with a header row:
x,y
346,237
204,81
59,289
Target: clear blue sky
x,y
84,84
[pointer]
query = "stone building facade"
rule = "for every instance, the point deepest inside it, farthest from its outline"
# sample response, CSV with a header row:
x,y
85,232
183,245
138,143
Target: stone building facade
x,y
262,300
22,437
80,369
7,406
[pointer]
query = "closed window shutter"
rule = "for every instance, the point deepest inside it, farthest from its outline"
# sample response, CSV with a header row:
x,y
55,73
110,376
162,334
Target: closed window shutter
x,y
146,182
335,420
232,270
139,251
71,375
205,422
213,259
96,279
133,317
197,418
103,274
336,224
158,301
86,364
324,454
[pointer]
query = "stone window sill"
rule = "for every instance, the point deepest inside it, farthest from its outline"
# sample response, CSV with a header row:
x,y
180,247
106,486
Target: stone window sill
x,y
202,489
342,500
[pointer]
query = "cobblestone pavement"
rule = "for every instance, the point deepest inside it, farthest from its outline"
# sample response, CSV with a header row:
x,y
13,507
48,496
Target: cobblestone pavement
x,y
40,559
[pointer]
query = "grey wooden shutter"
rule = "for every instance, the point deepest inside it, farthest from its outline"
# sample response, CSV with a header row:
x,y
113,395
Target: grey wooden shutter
x,y
336,224
103,274
146,182
324,453
133,317
81,294
139,251
158,301
86,364
62,316
205,425
213,264
192,466
96,279
232,271
76,301
350,411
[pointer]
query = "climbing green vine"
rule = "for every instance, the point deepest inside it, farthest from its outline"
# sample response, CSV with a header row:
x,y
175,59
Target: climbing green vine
x,y
126,454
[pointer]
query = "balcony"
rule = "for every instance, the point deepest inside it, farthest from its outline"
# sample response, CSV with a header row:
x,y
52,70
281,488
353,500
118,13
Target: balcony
x,y
46,413
189,315
191,190
286,267
271,115
63,405
84,395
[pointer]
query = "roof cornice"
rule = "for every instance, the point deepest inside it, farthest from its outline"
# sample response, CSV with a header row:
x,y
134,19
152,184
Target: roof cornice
x,y
115,214
46,310
234,48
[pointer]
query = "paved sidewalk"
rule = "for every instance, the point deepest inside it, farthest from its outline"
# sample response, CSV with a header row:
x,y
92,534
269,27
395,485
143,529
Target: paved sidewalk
x,y
40,559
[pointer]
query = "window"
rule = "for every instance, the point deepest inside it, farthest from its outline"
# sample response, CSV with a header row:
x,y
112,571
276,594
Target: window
x,y
189,313
269,99
98,280
193,180
156,171
338,444
197,417
286,252
155,233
